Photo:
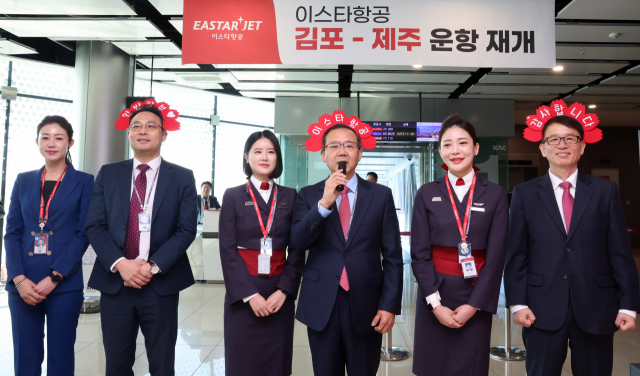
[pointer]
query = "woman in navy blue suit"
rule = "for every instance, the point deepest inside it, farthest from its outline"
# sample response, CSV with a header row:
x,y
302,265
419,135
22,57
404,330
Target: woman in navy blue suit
x,y
454,309
259,304
45,241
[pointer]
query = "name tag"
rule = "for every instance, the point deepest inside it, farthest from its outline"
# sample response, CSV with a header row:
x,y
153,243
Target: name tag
x,y
248,203
477,209
282,206
436,199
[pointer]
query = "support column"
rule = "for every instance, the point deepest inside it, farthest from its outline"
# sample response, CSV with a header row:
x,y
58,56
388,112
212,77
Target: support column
x,y
104,79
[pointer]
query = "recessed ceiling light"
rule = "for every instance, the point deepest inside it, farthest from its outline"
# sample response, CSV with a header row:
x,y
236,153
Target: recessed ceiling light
x,y
558,68
592,106
280,76
417,66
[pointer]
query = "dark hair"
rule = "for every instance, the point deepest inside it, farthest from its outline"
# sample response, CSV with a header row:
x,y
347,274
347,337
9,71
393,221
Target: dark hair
x,y
151,109
375,176
62,122
456,120
276,145
567,121
340,126
206,182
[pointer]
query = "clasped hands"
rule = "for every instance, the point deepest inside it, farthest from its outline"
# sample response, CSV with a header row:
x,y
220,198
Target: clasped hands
x,y
264,308
31,293
135,273
454,319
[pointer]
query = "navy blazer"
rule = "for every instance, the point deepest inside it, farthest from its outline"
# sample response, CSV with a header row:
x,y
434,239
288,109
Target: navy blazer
x,y
67,214
212,204
433,223
592,266
374,284
239,227
172,226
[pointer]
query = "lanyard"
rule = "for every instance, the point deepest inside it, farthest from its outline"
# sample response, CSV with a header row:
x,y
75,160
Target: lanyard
x,y
45,218
273,205
464,231
133,181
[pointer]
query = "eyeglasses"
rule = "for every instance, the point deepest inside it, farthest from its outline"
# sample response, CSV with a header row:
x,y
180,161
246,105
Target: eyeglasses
x,y
335,146
569,140
150,125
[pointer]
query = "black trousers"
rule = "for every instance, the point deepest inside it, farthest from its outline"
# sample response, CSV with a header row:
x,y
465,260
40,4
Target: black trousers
x,y
339,345
157,316
591,355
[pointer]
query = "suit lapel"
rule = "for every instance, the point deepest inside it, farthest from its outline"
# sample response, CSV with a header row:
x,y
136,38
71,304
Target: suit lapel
x,y
363,201
124,184
583,195
264,207
164,178
34,183
548,198
67,185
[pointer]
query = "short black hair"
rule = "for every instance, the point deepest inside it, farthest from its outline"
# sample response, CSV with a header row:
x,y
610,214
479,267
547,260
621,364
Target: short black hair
x,y
276,145
567,121
206,182
375,176
340,126
457,121
147,108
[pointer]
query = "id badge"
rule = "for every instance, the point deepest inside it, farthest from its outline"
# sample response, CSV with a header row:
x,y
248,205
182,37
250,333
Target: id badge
x,y
264,264
469,268
144,222
464,251
266,246
41,244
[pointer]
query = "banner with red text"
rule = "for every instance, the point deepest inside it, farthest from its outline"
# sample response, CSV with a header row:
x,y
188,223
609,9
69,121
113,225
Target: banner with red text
x,y
454,33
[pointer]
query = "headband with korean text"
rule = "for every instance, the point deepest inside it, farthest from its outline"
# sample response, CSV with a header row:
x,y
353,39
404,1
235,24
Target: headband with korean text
x,y
169,115
326,121
589,121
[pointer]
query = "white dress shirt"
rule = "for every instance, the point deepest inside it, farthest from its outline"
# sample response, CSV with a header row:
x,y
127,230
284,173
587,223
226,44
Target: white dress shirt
x,y
145,236
558,192
265,194
460,191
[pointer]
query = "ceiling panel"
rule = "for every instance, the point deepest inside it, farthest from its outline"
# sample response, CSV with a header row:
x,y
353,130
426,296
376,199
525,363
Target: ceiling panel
x,y
409,67
610,89
157,75
79,29
410,77
364,94
624,80
271,94
532,79
530,98
167,63
168,7
172,79
603,10
597,33
605,99
524,90
569,68
598,53
373,86
288,76
66,7
148,48
199,85
177,24
285,86
9,47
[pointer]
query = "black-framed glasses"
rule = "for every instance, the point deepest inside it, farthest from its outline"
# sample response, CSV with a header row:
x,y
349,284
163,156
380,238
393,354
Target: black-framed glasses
x,y
348,146
569,140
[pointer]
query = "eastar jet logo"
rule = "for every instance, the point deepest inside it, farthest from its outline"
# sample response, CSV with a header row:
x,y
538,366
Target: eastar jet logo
x,y
239,25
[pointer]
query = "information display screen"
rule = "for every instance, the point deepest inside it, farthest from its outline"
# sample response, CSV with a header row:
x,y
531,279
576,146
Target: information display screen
x,y
394,131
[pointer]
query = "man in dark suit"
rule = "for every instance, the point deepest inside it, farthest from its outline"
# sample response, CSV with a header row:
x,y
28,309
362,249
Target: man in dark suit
x,y
349,297
208,202
570,274
140,271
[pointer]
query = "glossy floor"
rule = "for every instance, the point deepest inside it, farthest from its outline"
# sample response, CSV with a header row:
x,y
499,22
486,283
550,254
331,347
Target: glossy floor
x,y
200,346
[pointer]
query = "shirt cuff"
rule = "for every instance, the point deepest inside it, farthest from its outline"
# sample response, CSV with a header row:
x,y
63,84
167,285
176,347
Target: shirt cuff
x,y
518,307
249,297
113,267
435,297
630,313
323,211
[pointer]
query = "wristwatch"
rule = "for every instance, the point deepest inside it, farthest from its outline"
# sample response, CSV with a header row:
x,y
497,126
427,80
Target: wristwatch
x,y
155,269
55,278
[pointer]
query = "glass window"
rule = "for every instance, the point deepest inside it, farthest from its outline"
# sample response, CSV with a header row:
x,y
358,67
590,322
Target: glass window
x,y
245,110
191,147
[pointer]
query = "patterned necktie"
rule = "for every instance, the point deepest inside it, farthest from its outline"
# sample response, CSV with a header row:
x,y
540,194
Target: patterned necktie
x,y
460,181
567,203
344,211
264,186
132,242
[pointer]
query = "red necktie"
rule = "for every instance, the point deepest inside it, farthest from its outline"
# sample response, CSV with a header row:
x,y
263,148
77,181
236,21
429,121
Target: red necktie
x,y
132,242
264,186
460,181
567,203
344,211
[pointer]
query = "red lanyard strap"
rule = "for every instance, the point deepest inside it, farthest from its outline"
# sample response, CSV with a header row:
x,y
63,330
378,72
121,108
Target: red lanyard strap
x,y
43,219
273,205
463,230
203,205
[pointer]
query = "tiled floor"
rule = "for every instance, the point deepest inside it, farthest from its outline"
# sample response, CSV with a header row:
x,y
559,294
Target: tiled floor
x,y
200,346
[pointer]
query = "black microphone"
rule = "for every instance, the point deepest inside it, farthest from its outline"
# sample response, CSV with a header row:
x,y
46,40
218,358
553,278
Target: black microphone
x,y
342,166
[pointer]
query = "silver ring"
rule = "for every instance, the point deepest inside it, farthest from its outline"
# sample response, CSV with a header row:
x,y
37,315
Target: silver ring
x,y
33,295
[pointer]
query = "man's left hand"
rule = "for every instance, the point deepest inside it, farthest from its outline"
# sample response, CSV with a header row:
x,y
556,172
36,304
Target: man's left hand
x,y
625,322
384,321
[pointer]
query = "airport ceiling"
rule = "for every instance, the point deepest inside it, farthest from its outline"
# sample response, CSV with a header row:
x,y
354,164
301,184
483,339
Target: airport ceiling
x,y
597,44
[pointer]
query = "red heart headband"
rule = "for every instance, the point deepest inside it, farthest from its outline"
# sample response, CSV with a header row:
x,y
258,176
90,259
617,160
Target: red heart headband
x,y
533,132
326,121
169,116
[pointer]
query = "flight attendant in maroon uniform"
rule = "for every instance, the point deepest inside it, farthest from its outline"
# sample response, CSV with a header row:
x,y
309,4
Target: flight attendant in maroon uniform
x,y
458,248
261,281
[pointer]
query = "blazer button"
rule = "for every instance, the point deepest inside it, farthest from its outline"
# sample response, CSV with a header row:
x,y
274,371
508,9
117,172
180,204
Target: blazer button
x,y
568,249
121,248
337,277
566,276
346,255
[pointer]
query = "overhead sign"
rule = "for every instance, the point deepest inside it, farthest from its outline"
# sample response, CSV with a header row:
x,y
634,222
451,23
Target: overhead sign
x,y
454,33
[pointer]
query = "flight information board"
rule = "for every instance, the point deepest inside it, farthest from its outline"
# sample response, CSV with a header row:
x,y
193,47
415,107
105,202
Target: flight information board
x,y
395,131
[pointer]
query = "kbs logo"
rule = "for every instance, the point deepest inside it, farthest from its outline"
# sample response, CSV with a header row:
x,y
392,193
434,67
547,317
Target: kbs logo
x,y
239,25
